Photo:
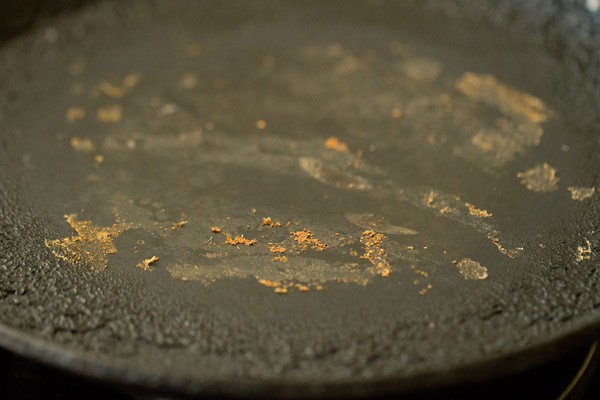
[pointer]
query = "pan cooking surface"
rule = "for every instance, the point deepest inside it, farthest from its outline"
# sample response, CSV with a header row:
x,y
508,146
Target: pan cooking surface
x,y
197,195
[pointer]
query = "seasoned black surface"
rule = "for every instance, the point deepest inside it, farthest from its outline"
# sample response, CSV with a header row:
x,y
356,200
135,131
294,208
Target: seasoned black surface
x,y
26,380
147,328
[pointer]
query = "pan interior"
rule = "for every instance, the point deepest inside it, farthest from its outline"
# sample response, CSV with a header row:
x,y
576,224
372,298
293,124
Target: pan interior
x,y
299,193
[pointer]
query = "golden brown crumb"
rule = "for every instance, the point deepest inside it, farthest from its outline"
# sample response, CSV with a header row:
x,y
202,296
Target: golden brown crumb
x,y
118,91
215,229
111,90
145,265
82,145
429,198
261,124
476,212
74,113
425,290
580,193
396,112
179,224
419,272
99,158
268,283
320,287
270,222
240,240
273,248
280,290
372,238
306,239
410,247
334,143
280,259
109,113
303,288
375,253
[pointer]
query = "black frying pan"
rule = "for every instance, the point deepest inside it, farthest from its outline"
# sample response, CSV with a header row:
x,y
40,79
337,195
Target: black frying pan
x,y
300,198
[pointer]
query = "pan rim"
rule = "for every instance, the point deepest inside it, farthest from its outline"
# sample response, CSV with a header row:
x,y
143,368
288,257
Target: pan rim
x,y
583,331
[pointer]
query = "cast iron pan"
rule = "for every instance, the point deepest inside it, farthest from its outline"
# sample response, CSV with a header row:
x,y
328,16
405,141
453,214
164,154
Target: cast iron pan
x,y
301,199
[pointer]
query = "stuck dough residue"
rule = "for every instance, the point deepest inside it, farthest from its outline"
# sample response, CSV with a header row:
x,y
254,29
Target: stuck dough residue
x,y
471,269
297,271
90,247
452,207
502,142
377,223
332,175
519,127
541,178
487,89
580,193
